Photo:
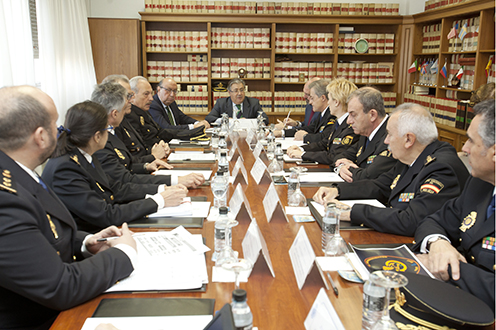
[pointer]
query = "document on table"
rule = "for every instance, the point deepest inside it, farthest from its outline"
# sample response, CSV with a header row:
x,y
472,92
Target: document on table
x,y
172,260
330,264
288,142
194,156
288,159
373,202
177,141
322,315
187,322
182,172
187,209
323,177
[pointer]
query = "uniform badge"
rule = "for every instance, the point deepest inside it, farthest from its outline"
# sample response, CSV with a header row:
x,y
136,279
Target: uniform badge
x,y
321,128
100,187
385,153
429,159
125,130
359,151
489,243
431,186
347,140
337,141
406,197
6,183
52,227
469,221
142,121
119,153
395,181
370,159
75,159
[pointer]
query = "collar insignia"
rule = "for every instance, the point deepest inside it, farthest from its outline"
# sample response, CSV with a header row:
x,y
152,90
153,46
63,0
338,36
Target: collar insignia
x,y
119,153
52,227
75,159
395,181
359,151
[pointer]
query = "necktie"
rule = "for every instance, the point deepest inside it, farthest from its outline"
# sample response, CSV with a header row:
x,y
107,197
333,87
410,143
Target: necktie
x,y
171,117
367,143
490,208
238,111
46,188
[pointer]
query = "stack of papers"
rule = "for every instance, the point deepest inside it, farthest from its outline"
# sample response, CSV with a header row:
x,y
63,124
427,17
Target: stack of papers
x,y
288,142
186,209
177,141
183,172
322,177
191,156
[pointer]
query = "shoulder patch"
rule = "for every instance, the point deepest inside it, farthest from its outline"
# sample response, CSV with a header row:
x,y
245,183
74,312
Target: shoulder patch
x,y
431,186
75,159
429,159
6,182
348,139
331,122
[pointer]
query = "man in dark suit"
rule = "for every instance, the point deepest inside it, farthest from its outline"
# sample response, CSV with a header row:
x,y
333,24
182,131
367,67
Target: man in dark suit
x,y
46,264
370,157
457,242
165,111
428,174
237,105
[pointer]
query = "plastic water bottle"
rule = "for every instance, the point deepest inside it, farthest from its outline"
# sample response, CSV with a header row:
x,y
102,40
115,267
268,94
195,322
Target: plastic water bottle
x,y
243,319
223,164
220,232
373,304
279,153
329,224
292,183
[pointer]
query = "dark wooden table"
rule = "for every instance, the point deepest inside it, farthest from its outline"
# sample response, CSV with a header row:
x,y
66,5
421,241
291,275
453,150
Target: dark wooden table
x,y
276,303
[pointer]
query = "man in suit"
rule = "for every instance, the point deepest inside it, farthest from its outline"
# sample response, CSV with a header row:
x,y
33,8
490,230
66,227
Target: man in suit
x,y
428,174
165,111
46,264
370,157
237,105
457,242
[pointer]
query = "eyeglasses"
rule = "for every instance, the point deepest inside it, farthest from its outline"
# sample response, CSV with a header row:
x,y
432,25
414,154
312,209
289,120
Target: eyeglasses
x,y
168,90
129,96
236,91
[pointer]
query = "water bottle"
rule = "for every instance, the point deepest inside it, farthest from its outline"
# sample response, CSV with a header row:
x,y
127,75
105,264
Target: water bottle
x,y
220,232
215,138
373,304
279,154
223,164
329,224
293,182
219,186
243,319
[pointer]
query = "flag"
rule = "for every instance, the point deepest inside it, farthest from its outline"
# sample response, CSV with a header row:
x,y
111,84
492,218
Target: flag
x,y
413,67
444,72
428,67
423,69
488,66
452,33
459,73
435,67
463,32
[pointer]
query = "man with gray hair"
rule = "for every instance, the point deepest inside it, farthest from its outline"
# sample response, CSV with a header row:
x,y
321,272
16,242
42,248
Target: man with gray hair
x,y
428,174
237,105
457,242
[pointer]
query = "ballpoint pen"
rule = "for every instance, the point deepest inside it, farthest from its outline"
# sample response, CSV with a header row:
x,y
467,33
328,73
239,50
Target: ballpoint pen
x,y
333,285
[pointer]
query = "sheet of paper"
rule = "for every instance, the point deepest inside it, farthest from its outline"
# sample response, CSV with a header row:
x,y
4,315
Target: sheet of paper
x,y
243,123
373,202
322,315
258,169
191,209
319,177
288,142
220,274
177,141
290,210
182,152
257,150
182,172
252,243
270,201
302,257
288,159
331,264
192,156
188,322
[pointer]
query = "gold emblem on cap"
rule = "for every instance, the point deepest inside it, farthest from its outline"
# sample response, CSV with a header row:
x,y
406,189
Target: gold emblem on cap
x,y
118,152
52,227
395,181
468,221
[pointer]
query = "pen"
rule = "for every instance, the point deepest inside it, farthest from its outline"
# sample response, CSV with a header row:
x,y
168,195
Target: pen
x,y
286,120
333,285
107,239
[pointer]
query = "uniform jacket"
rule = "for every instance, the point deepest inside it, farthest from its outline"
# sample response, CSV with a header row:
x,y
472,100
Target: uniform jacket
x,y
251,107
117,163
39,277
159,114
95,200
325,151
372,160
410,193
133,142
144,124
464,221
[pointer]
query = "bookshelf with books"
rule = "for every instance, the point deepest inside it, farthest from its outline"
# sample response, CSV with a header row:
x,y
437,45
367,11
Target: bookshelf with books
x,y
452,47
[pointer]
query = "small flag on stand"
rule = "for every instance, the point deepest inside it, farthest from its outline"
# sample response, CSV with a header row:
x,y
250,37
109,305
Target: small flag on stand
x,y
488,66
413,67
459,73
463,31
443,71
435,67
452,33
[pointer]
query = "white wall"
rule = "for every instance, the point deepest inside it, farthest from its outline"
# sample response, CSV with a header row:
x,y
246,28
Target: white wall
x,y
130,8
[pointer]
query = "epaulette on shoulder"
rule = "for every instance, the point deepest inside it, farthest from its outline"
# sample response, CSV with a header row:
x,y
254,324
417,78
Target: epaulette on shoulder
x,y
6,182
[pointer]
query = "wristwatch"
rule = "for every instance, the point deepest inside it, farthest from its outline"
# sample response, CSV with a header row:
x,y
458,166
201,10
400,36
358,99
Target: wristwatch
x,y
434,239
335,185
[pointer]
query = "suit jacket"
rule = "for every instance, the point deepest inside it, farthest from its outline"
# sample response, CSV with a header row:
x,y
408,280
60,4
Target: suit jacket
x,y
325,151
251,107
411,193
38,275
159,114
133,142
144,124
372,160
464,221
94,199
117,163
308,113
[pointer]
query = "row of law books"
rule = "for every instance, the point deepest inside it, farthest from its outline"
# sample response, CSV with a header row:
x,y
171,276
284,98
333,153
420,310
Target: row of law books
x,y
240,38
431,38
434,4
378,43
193,101
294,42
467,79
471,38
449,112
180,71
271,8
226,67
366,73
265,98
301,71
176,41
289,101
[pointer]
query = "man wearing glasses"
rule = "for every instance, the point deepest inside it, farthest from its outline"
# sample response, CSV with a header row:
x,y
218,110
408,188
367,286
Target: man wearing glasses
x,y
237,105
165,111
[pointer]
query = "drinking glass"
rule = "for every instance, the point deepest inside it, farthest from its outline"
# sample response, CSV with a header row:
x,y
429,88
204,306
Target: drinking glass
x,y
237,266
297,199
336,246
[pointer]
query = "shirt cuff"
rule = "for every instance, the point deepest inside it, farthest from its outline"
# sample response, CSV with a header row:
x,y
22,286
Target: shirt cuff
x,y
191,126
130,252
302,150
85,251
157,198
423,246
161,188
174,179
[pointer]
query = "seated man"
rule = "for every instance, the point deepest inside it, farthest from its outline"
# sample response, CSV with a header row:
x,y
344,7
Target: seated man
x,y
164,109
458,240
427,175
46,265
370,157
237,105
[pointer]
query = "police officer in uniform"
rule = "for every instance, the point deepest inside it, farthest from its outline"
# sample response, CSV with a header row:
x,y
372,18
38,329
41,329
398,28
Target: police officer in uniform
x,y
429,173
458,241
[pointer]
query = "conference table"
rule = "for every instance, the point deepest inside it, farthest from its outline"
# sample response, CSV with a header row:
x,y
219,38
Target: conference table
x,y
276,302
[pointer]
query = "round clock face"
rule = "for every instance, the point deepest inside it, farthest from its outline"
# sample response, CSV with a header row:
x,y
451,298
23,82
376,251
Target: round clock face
x,y
361,46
